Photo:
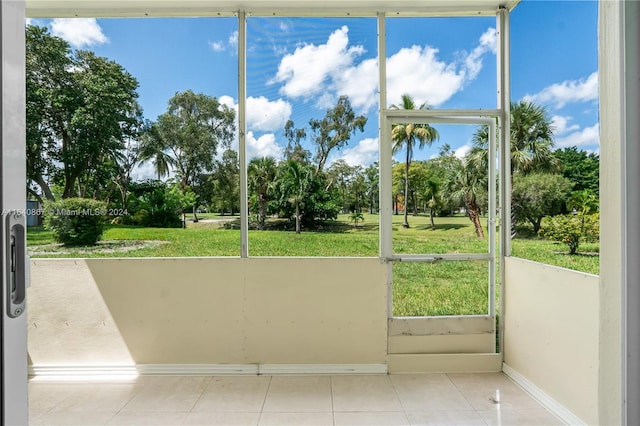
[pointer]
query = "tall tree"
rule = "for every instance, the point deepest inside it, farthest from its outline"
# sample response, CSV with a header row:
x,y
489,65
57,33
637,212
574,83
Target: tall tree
x,y
580,167
431,196
153,148
537,195
405,136
531,143
372,182
80,108
261,179
335,129
466,184
49,97
294,149
531,140
125,160
227,183
294,181
193,128
341,175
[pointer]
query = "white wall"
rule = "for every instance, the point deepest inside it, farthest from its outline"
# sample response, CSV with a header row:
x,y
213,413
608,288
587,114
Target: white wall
x,y
208,311
551,332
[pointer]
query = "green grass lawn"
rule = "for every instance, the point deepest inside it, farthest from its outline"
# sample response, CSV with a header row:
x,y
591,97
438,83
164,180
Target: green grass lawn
x,y
443,288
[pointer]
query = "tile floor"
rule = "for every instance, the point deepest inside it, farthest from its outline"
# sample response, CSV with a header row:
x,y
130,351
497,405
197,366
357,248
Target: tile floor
x,y
421,399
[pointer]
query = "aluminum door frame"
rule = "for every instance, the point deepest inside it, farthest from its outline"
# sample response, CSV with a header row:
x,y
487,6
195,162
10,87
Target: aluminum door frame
x,y
13,340
468,117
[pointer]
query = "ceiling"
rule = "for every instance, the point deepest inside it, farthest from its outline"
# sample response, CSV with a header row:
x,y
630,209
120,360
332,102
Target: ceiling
x,y
141,8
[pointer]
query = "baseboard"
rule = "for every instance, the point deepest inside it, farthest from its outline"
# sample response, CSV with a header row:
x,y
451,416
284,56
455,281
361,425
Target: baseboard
x,y
196,369
542,397
127,371
444,363
272,369
82,373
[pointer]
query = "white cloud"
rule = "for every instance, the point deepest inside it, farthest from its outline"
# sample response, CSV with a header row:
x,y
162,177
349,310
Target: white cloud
x,y
305,71
217,46
267,116
264,146
285,26
146,171
228,101
463,150
277,114
79,32
221,46
262,114
488,40
584,137
473,61
561,125
362,154
233,39
570,91
360,83
417,70
325,71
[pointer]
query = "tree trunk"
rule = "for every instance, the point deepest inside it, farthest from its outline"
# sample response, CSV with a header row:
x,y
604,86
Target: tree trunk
x,y
297,217
537,224
35,194
262,211
123,194
433,224
405,224
46,190
475,218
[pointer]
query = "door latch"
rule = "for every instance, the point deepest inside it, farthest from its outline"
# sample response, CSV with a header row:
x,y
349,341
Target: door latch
x,y
15,261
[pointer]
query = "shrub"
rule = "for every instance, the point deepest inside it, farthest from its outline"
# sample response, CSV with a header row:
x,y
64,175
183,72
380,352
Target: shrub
x,y
356,217
572,229
75,221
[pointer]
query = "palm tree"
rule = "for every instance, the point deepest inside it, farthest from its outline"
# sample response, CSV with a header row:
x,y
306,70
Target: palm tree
x,y
294,181
431,195
153,149
531,143
405,136
531,140
466,185
262,175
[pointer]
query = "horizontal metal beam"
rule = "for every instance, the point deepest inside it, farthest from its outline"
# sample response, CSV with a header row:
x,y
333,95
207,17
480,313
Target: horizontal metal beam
x,y
478,113
430,258
207,8
421,116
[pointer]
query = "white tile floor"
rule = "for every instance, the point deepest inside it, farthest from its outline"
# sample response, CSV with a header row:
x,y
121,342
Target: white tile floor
x,y
421,399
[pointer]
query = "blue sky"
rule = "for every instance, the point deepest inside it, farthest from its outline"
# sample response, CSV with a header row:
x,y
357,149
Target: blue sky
x,y
297,68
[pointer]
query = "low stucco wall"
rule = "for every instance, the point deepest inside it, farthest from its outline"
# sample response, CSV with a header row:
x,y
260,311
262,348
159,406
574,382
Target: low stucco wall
x,y
551,332
208,311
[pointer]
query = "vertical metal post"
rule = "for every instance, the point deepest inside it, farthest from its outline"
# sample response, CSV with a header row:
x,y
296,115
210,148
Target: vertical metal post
x,y
13,320
492,218
242,132
504,106
504,148
630,209
384,163
384,144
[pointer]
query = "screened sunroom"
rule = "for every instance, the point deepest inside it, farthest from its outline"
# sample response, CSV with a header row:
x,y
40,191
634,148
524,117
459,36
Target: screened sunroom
x,y
296,323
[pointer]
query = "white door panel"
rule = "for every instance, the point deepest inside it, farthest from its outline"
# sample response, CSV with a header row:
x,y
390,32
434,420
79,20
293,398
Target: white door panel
x,y
13,202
